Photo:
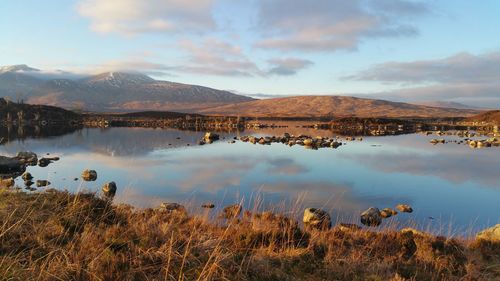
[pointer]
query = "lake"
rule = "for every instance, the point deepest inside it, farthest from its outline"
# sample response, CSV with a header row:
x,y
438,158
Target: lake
x,y
453,189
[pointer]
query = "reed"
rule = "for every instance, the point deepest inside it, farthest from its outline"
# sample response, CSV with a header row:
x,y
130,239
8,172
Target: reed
x,y
57,235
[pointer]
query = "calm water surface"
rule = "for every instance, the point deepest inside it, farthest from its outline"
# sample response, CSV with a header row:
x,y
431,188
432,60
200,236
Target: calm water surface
x,y
453,189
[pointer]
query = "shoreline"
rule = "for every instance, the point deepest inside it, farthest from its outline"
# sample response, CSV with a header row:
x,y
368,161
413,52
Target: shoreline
x,y
67,235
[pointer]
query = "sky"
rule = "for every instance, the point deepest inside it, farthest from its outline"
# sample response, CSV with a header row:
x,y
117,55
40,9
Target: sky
x,y
407,50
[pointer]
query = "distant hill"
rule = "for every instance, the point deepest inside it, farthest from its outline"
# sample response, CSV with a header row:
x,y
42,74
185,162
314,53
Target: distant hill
x,y
448,104
338,106
492,116
111,91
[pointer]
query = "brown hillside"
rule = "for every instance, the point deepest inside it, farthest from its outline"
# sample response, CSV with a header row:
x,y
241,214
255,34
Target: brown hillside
x,y
317,106
488,116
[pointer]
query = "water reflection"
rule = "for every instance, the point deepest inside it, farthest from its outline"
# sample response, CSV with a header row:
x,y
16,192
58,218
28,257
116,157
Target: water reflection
x,y
449,183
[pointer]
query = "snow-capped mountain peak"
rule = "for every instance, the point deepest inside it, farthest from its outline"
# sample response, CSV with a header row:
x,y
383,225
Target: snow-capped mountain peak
x,y
17,68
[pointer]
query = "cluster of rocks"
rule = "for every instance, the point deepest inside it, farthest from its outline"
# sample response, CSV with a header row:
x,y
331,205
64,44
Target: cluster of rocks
x,y
13,167
484,143
320,219
466,135
108,189
373,216
302,140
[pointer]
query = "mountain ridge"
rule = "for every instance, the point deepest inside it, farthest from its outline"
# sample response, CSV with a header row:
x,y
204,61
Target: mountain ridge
x,y
116,90
335,106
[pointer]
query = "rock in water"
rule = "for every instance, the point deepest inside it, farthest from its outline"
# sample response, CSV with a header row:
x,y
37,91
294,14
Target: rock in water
x,y
348,227
404,208
109,189
208,206
371,217
491,234
40,183
44,162
316,218
173,208
27,176
231,211
211,136
388,212
89,175
308,142
27,157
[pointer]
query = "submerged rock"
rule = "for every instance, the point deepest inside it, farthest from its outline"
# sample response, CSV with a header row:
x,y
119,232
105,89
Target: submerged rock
x,y
316,218
89,175
109,189
404,208
371,217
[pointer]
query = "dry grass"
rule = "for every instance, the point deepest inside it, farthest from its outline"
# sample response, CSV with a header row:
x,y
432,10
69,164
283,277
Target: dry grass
x,y
61,236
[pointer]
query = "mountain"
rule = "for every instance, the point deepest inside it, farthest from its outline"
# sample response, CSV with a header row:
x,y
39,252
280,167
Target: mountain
x,y
338,106
111,91
17,68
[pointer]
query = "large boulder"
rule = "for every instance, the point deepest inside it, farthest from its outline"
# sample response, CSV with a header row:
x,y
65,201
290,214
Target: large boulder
x,y
109,189
316,218
371,217
89,175
491,234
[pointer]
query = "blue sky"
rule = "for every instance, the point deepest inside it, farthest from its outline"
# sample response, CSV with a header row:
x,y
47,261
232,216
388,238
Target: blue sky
x,y
398,49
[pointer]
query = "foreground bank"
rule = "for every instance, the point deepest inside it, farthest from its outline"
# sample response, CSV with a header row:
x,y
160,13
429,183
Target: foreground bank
x,y
58,235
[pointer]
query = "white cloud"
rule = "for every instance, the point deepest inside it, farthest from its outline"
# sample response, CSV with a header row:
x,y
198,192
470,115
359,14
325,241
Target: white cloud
x,y
463,67
138,16
216,57
466,78
328,25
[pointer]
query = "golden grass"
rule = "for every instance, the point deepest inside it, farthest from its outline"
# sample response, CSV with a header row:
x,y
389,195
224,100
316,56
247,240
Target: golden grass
x,y
61,236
